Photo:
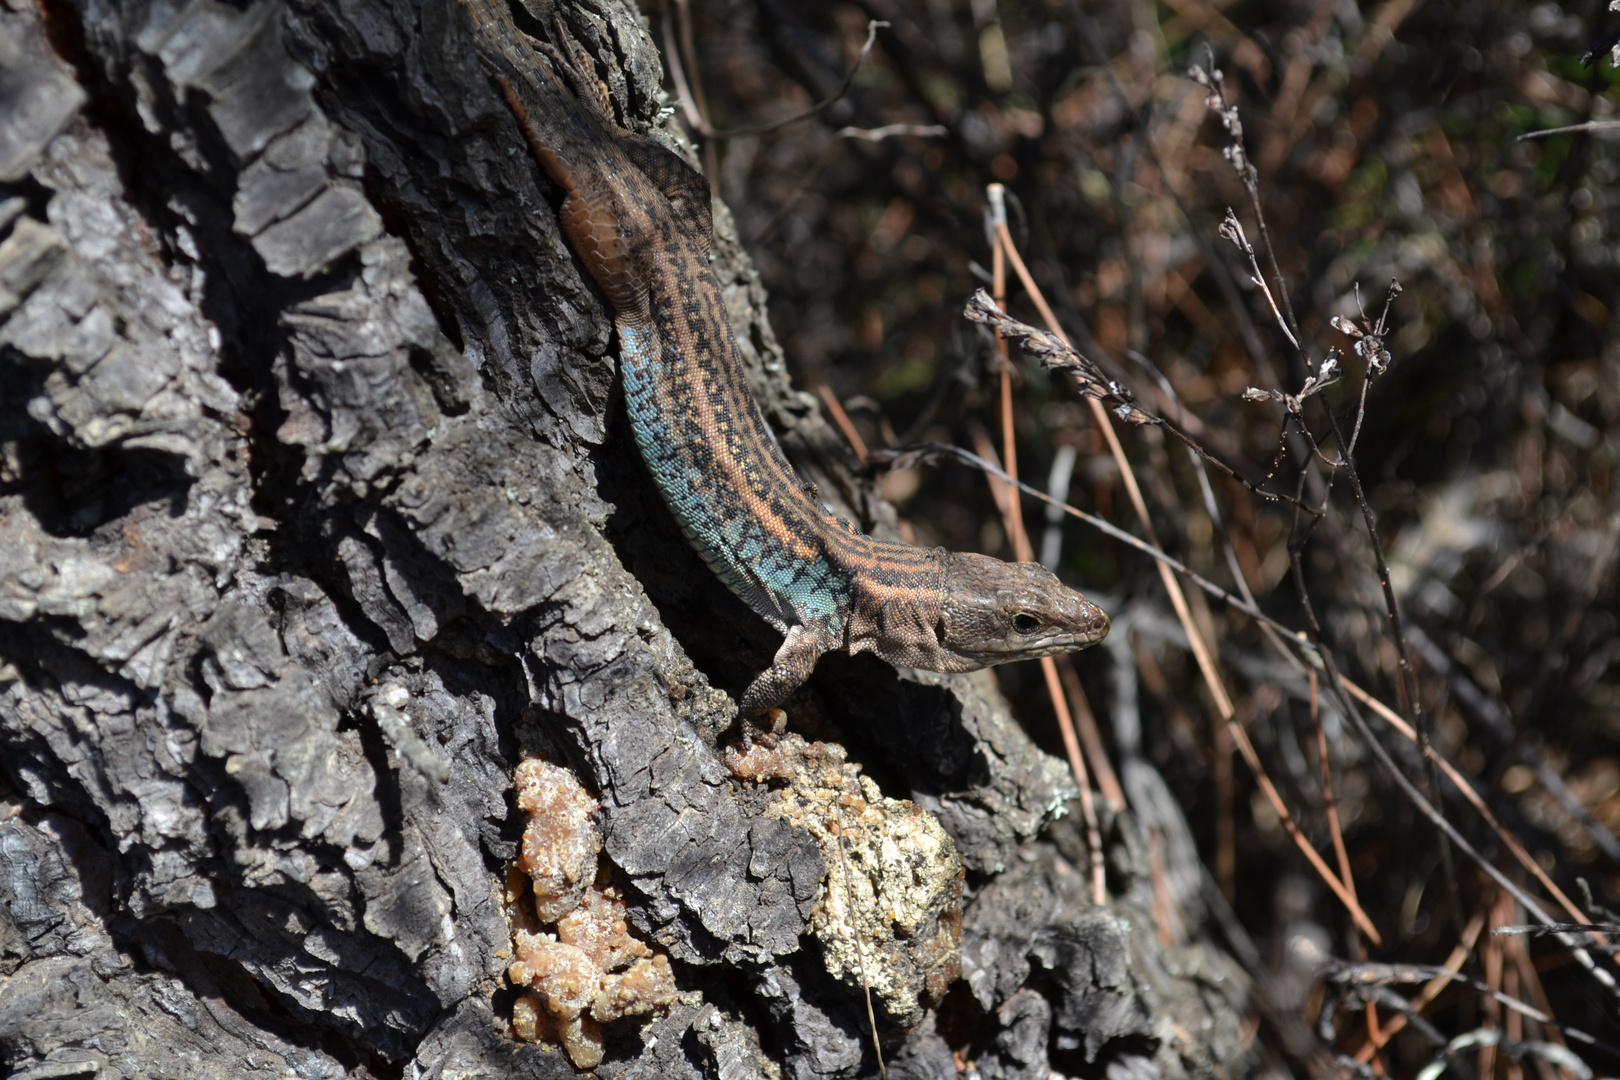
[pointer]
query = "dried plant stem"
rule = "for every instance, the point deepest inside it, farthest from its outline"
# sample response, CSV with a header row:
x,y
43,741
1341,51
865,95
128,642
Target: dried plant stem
x,y
1431,989
1232,229
1085,722
1225,812
1178,600
1332,807
999,489
1012,513
1375,1038
1346,897
1016,533
854,926
841,420
1513,1022
1520,953
1077,762
1522,856
1490,956
1391,608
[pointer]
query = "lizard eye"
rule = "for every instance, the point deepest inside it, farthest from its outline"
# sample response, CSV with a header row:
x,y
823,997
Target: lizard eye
x,y
1025,623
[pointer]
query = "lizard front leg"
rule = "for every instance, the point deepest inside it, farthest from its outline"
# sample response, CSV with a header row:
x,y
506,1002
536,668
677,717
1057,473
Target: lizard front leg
x,y
794,661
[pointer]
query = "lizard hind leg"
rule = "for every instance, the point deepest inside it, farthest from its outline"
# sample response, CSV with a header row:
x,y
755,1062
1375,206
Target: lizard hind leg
x,y
794,661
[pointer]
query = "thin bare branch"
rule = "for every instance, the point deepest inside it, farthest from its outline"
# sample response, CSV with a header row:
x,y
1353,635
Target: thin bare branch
x,y
1569,129
890,131
695,118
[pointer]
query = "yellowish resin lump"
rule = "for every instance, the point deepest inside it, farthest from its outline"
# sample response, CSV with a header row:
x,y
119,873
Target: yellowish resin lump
x,y
560,844
563,976
598,927
647,985
580,1038
590,971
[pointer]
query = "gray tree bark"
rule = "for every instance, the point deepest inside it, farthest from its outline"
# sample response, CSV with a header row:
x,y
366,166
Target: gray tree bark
x,y
318,509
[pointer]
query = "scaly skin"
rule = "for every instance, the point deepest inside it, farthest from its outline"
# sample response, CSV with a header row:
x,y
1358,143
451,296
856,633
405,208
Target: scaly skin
x,y
638,217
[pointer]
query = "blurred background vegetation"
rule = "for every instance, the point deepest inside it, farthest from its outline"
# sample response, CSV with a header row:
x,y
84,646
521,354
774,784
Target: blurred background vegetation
x,y
1388,139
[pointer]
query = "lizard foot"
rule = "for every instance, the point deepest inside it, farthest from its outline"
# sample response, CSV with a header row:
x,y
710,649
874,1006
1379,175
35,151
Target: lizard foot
x,y
752,733
575,66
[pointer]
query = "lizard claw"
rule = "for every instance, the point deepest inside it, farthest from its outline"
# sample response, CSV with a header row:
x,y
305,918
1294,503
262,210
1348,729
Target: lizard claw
x,y
752,733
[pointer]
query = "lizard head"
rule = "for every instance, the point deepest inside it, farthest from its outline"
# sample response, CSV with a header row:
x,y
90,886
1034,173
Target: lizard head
x,y
993,612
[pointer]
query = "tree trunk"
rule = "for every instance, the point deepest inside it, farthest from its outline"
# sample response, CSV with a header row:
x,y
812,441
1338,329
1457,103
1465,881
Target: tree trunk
x,y
319,510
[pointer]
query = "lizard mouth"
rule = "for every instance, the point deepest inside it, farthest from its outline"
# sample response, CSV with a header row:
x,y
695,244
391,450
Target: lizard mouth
x,y
1092,631
1070,635
1081,627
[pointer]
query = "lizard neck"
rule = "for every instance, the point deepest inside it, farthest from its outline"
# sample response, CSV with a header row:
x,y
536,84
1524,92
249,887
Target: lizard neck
x,y
896,598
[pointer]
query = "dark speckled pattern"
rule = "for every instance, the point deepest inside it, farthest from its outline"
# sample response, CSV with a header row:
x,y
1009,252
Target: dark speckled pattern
x,y
638,218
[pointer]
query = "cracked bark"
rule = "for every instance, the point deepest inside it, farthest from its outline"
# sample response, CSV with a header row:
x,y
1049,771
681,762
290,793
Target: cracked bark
x,y
317,507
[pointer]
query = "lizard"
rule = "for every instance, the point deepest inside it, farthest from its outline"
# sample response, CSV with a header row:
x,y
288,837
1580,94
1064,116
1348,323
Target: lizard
x,y
639,219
